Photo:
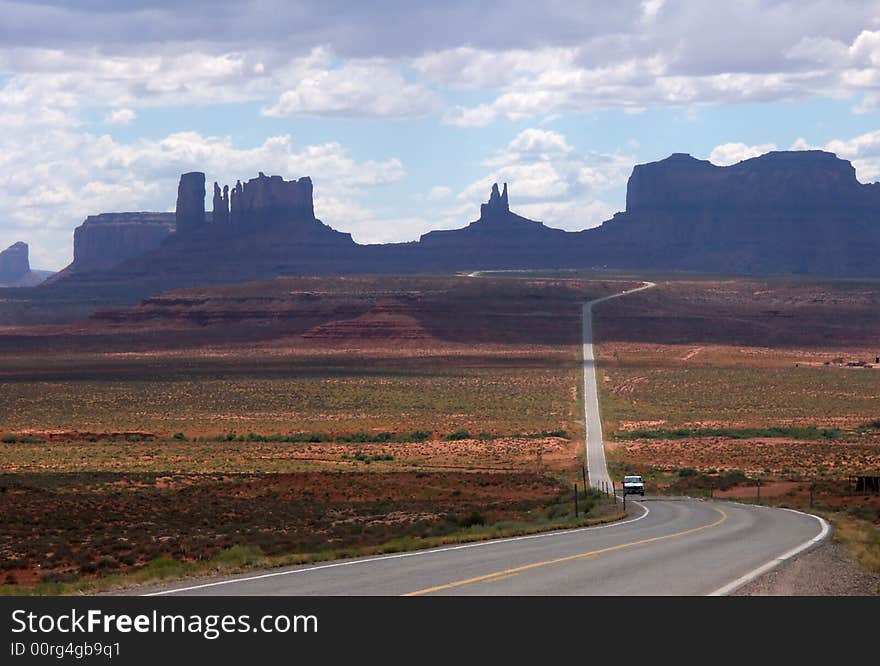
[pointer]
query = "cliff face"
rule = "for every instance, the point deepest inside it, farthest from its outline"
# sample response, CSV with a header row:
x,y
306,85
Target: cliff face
x,y
14,263
800,212
108,239
259,229
790,181
15,268
190,210
268,200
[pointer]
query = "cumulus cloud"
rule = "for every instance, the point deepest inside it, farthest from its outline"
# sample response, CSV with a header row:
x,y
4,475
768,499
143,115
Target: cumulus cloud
x,y
339,60
539,142
439,192
371,88
120,117
731,153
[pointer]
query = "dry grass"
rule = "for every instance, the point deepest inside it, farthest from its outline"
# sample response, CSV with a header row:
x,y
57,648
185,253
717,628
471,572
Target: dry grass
x,y
861,537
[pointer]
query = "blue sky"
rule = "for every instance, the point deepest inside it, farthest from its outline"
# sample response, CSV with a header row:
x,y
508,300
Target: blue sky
x,y
405,113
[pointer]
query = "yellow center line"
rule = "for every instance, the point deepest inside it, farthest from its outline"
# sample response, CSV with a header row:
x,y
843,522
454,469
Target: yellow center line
x,y
506,573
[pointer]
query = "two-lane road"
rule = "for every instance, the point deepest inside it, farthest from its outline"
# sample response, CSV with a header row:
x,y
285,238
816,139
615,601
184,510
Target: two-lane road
x,y
684,547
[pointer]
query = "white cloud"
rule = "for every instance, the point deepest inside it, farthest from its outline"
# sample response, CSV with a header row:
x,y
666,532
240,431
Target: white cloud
x,y
369,88
650,9
120,117
439,192
731,153
649,72
478,116
539,142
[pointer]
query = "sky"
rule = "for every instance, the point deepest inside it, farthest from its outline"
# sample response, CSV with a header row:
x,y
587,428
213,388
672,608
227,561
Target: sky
x,y
404,113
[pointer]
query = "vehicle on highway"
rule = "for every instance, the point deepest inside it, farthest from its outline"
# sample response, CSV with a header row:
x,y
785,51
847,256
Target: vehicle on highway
x,y
633,485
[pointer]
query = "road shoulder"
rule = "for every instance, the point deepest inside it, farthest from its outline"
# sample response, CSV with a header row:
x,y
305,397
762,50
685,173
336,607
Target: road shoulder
x,y
826,570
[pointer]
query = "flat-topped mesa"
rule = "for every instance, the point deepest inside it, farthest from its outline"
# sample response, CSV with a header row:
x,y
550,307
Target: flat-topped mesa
x,y
497,207
790,180
104,240
190,211
267,200
14,262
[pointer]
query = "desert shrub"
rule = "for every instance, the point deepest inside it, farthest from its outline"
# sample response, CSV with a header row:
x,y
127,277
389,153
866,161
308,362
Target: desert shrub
x,y
58,577
238,556
179,436
472,519
457,435
687,471
807,432
548,433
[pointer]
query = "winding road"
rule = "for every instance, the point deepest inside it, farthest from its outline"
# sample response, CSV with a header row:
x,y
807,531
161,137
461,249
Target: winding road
x,y
666,547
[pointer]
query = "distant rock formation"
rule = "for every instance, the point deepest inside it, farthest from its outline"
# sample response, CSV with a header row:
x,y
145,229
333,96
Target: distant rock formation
x,y
221,205
499,234
497,207
14,262
190,211
15,267
105,240
267,200
272,230
781,213
800,212
260,202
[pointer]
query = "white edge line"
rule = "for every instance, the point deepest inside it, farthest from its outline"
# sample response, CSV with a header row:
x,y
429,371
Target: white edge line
x,y
772,564
415,553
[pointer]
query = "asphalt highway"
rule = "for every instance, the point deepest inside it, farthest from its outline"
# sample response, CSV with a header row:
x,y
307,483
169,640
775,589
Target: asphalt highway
x,y
668,547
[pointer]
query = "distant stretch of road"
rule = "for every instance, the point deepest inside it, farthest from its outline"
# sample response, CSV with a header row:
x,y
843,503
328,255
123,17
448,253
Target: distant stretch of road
x,y
597,470
665,547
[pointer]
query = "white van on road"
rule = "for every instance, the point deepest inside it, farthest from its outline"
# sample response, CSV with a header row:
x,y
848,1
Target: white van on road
x,y
633,485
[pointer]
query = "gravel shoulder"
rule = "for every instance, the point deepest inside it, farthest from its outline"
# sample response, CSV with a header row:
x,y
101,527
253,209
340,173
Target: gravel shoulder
x,y
826,570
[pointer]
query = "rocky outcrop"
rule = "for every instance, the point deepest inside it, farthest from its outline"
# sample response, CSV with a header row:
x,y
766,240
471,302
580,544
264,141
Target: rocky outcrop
x,y
190,211
14,263
262,201
15,268
784,180
221,205
267,200
272,230
105,240
801,212
497,227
